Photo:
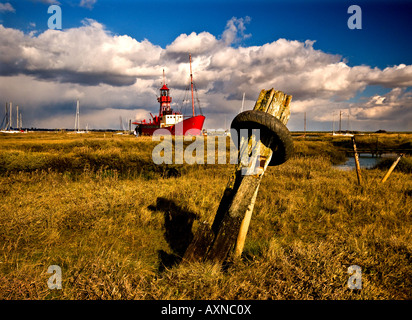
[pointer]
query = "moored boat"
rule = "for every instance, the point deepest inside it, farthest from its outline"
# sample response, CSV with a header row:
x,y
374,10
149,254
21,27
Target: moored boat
x,y
168,119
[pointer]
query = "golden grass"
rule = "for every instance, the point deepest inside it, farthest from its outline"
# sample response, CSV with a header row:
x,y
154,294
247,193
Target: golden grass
x,y
103,225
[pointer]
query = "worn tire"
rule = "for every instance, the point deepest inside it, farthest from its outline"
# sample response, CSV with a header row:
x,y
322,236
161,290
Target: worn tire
x,y
282,144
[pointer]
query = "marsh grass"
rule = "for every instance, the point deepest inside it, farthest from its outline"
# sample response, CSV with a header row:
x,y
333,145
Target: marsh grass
x,y
404,165
91,206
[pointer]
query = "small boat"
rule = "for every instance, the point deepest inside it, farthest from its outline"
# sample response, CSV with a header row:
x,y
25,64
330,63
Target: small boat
x,y
170,120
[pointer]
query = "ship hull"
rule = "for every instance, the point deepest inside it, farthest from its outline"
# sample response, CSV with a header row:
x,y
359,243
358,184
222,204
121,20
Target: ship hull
x,y
191,126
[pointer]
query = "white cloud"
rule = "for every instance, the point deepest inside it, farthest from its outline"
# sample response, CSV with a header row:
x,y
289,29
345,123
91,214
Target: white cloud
x,y
47,1
112,72
88,3
201,43
88,54
6,7
395,105
235,30
396,76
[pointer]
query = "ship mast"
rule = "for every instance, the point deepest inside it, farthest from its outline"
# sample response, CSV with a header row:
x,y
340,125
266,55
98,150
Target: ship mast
x,y
191,84
164,99
77,120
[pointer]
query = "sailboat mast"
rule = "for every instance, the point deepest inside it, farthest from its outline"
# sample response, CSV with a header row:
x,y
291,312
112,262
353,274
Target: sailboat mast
x,y
243,102
10,109
77,120
191,84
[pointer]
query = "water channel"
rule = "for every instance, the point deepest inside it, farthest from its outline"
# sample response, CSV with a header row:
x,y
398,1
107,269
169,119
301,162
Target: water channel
x,y
366,161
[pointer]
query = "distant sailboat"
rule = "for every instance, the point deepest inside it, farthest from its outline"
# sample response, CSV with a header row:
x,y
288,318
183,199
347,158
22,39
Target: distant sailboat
x,y
243,102
77,119
6,124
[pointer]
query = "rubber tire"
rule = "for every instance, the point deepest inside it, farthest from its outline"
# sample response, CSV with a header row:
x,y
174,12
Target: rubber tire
x,y
282,144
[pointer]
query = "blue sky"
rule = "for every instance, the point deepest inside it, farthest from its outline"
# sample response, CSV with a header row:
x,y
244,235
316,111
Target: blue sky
x,y
384,42
385,38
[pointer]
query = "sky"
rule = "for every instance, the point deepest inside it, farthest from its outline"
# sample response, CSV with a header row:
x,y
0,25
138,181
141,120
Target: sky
x,y
110,55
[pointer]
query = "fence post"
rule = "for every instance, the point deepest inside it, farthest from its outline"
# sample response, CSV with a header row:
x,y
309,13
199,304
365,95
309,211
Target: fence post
x,y
358,170
391,168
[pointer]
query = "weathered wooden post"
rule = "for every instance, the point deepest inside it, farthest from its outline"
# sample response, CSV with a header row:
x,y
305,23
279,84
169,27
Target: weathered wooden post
x,y
358,170
274,146
391,168
241,238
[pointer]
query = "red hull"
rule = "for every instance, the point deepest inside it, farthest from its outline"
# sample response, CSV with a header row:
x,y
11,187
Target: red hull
x,y
195,124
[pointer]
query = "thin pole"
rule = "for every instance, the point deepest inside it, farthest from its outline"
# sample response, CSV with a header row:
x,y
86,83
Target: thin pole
x,y
304,125
358,172
391,168
348,123
243,101
191,84
77,120
11,112
7,116
340,121
78,115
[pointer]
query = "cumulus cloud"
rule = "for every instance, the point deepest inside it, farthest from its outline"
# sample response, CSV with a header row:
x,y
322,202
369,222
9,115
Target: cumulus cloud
x,y
47,1
88,3
395,105
88,55
6,7
116,72
235,30
203,43
396,76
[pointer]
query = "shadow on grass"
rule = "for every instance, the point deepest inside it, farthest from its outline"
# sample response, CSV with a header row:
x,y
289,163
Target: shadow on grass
x,y
178,231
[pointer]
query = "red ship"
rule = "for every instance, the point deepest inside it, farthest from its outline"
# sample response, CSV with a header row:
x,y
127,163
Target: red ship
x,y
167,119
